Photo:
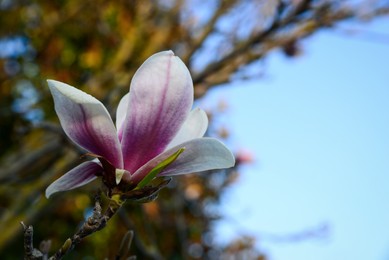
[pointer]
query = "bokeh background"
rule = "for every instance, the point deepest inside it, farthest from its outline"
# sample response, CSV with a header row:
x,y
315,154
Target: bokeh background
x,y
297,89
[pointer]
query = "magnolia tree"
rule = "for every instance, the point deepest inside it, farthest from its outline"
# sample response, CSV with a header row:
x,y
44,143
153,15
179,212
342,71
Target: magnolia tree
x,y
98,47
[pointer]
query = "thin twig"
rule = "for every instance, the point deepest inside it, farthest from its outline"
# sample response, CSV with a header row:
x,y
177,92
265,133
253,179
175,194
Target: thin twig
x,y
93,224
30,253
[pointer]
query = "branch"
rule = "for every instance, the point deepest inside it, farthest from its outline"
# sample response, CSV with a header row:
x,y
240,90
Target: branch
x,y
30,253
257,38
208,29
257,46
93,224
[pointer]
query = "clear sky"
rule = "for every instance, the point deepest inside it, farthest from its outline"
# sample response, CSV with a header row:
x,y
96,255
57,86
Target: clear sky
x,y
319,128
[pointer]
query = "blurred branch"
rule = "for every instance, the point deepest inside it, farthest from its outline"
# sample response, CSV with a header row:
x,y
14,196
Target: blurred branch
x,y
195,44
365,35
248,43
148,251
31,162
258,45
125,246
319,232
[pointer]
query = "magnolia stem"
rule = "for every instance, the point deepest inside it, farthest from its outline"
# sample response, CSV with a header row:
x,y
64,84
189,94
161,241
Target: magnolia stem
x,y
30,253
93,224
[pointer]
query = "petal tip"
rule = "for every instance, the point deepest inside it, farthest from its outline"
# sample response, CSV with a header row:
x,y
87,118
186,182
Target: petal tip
x,y
229,158
231,161
49,191
54,83
51,83
58,87
165,53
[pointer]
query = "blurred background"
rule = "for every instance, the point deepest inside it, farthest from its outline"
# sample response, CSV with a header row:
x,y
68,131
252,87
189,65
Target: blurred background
x,y
297,89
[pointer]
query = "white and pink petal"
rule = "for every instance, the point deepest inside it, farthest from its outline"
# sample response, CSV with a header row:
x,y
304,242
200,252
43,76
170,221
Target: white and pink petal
x,y
121,114
195,126
86,122
78,176
200,154
161,96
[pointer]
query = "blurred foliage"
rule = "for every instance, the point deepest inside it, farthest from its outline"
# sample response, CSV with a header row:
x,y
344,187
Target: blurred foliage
x,y
97,46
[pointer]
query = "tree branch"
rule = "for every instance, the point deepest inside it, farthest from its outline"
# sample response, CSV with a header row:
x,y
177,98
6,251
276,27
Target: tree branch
x,y
208,29
220,72
256,38
93,224
30,253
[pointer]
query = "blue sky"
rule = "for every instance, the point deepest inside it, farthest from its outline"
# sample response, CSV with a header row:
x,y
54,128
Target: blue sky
x,y
319,128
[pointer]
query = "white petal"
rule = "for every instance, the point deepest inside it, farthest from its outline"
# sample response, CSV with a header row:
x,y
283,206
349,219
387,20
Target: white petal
x,y
200,154
121,113
194,126
78,176
86,122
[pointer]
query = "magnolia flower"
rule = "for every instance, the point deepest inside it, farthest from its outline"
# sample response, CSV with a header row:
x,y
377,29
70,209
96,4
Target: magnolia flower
x,y
156,132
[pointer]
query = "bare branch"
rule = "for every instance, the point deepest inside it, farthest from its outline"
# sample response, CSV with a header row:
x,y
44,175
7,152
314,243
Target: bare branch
x,y
225,5
93,224
243,47
30,253
257,46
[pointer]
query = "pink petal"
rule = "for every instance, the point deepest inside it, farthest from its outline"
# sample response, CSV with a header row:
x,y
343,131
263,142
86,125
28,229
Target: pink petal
x,y
161,96
86,122
79,176
195,126
200,154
